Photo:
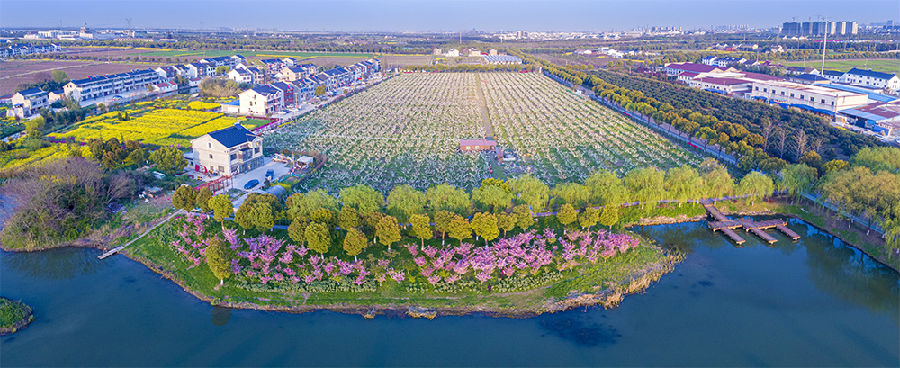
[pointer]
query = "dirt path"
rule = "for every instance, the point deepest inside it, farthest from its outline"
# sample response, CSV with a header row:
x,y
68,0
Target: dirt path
x,y
488,131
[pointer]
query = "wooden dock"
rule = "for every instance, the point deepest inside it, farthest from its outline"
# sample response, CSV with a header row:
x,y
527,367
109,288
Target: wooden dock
x,y
119,248
727,226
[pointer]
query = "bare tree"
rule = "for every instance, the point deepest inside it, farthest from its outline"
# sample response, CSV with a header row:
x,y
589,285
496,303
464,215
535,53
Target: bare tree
x,y
767,128
800,141
817,146
782,140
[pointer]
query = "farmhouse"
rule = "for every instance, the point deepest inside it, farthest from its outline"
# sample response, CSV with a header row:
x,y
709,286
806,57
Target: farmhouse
x,y
870,78
473,145
94,87
261,100
27,103
229,151
240,75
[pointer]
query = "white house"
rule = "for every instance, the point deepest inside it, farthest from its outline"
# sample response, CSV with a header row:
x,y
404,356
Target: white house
x,y
27,103
870,78
229,151
240,75
261,101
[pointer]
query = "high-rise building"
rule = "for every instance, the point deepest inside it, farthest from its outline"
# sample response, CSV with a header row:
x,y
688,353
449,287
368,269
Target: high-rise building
x,y
819,28
791,28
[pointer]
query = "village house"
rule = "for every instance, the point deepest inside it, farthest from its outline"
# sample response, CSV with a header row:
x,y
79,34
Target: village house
x,y
262,100
240,75
873,79
123,84
27,103
288,92
229,151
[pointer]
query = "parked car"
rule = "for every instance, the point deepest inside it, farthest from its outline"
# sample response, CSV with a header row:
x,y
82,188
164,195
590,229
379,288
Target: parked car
x,y
250,184
270,174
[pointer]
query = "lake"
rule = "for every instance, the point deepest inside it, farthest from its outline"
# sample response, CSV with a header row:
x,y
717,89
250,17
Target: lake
x,y
814,302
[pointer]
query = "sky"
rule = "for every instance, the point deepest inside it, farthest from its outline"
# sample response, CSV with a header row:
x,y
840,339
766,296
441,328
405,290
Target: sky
x,y
436,15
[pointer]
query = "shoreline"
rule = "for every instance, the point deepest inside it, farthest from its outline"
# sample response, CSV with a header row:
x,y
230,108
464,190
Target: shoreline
x,y
606,298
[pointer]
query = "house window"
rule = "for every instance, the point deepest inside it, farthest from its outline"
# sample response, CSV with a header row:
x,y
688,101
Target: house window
x,y
210,155
823,100
221,168
233,156
210,144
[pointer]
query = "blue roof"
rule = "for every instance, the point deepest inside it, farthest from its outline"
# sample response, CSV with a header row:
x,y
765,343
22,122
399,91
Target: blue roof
x,y
31,91
265,90
232,136
811,77
833,73
874,96
281,85
807,108
870,73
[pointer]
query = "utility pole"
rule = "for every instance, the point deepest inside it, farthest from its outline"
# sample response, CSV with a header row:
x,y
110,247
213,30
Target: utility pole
x,y
824,40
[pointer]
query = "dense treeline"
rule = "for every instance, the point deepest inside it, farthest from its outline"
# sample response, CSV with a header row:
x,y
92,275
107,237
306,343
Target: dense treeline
x,y
757,117
867,186
495,205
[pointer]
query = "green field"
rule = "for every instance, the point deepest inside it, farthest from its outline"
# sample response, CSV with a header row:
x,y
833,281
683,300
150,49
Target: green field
x,y
249,53
880,65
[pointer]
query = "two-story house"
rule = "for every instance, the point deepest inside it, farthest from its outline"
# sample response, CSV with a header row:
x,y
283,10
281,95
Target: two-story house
x,y
27,103
261,100
229,151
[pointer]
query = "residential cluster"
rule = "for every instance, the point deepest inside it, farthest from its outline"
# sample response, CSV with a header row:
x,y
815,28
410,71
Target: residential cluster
x,y
859,99
26,49
613,53
819,28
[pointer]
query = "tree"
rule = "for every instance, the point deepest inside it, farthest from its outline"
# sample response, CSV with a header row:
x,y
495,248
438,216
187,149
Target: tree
x,y
878,159
756,185
606,189
404,201
577,195
354,242
303,205
222,208
297,230
320,90
201,201
348,218
836,165
506,222
169,160
362,197
59,76
244,216
491,198
263,216
645,185
221,70
442,220
530,191
797,179
445,197
217,259
184,198
316,235
718,183
460,228
683,183
420,227
588,217
387,231
524,217
566,215
609,216
485,225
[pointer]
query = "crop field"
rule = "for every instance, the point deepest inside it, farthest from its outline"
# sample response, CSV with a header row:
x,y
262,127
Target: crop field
x,y
16,72
407,129
157,123
878,65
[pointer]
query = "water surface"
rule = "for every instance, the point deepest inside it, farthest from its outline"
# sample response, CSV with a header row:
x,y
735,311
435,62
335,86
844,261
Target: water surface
x,y
814,302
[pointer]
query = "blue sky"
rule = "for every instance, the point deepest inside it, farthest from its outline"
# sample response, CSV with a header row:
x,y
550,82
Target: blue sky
x,y
435,15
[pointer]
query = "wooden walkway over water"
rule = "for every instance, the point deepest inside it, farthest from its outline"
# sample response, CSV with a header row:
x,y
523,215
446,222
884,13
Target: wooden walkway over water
x,y
727,226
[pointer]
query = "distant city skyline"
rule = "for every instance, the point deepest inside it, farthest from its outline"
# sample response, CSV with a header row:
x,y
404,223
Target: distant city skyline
x,y
436,16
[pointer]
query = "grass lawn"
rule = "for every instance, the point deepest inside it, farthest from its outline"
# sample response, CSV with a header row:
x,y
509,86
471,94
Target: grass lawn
x,y
879,65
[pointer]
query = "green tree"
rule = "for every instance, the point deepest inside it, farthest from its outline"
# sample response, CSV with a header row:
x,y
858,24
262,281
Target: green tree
x,y
263,216
321,90
318,238
491,198
404,201
718,183
577,195
878,159
485,225
59,76
524,217
184,198
387,231
348,218
566,215
297,230
217,259
531,192
606,189
169,160
460,228
362,197
683,183
421,227
609,216
445,197
442,220
201,201
506,222
302,205
797,179
756,185
588,217
645,185
244,216
836,165
354,242
222,208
